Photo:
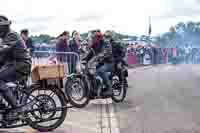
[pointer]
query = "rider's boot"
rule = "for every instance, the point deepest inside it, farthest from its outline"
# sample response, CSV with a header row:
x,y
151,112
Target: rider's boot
x,y
10,98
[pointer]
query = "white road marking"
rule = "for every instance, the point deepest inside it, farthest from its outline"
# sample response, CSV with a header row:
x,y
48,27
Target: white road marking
x,y
107,122
112,117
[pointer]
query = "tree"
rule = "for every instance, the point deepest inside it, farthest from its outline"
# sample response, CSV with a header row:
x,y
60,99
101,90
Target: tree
x,y
144,38
180,27
43,38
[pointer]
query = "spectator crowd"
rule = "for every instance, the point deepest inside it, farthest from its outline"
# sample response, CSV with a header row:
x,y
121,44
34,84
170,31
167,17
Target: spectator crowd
x,y
137,53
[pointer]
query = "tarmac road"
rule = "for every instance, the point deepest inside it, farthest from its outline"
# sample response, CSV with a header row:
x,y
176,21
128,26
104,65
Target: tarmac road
x,y
160,99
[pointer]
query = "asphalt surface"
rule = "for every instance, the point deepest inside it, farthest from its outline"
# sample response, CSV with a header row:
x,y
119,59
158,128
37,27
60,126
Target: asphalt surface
x,y
161,99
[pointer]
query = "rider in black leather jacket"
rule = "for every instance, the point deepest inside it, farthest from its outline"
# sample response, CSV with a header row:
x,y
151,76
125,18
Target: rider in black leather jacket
x,y
100,47
15,60
119,52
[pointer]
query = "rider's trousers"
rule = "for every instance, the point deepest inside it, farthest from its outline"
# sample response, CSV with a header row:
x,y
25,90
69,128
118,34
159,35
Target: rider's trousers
x,y
8,74
102,71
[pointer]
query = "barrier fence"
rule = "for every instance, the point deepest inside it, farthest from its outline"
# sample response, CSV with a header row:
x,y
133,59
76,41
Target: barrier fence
x,y
162,56
67,61
134,56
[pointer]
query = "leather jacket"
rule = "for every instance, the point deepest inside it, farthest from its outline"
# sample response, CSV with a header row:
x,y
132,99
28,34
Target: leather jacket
x,y
14,52
103,50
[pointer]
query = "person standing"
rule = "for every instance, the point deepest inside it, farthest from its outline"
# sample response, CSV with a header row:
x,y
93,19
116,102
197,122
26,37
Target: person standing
x,y
62,45
27,40
74,46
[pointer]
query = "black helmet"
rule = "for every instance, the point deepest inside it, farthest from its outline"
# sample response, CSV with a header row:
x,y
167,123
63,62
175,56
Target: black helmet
x,y
95,34
108,34
4,26
4,21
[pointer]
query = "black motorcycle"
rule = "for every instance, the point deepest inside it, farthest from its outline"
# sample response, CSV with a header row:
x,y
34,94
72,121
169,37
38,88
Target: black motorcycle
x,y
38,106
86,85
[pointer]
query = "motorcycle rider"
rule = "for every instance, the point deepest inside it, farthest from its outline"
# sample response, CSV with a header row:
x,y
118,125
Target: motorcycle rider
x,y
15,60
104,51
118,52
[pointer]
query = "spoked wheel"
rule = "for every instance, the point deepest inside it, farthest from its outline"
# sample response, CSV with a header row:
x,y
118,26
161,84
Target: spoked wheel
x,y
45,102
77,92
119,90
49,109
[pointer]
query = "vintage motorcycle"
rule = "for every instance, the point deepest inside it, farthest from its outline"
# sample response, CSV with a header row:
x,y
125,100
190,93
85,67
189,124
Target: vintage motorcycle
x,y
37,106
86,85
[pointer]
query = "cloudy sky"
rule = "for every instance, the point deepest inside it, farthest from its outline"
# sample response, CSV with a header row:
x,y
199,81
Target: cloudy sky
x,y
125,16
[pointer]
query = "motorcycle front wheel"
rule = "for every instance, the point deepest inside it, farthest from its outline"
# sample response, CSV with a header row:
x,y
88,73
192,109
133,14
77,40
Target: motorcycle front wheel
x,y
77,92
49,111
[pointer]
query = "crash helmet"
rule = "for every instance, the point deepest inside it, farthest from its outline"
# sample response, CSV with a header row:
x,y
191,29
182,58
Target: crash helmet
x,y
4,25
95,35
108,34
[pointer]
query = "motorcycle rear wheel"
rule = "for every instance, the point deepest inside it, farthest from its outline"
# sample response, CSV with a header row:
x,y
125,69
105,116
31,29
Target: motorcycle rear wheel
x,y
60,98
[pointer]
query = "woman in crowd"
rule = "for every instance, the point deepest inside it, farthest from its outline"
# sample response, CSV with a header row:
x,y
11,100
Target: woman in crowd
x,y
74,46
62,45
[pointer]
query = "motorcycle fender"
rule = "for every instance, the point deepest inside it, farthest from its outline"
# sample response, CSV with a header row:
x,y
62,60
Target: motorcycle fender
x,y
69,78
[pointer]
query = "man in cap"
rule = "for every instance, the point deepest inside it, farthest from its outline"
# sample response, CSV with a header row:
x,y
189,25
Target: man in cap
x,y
28,41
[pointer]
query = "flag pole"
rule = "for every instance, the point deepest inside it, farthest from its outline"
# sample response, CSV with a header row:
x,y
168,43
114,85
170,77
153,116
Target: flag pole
x,y
150,30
